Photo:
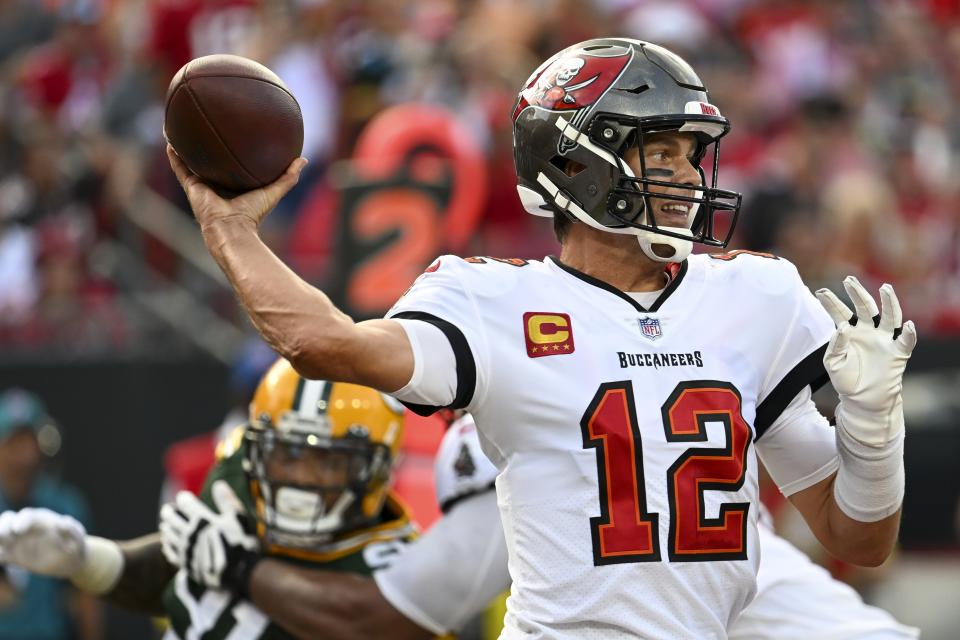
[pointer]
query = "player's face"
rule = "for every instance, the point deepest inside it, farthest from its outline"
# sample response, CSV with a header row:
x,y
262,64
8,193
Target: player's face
x,y
20,461
325,470
668,156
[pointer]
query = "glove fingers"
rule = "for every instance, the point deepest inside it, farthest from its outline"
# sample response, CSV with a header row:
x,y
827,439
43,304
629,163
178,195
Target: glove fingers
x,y
863,302
21,524
836,353
70,538
206,565
171,551
840,312
218,559
6,523
172,545
192,506
225,499
891,315
201,554
173,519
908,338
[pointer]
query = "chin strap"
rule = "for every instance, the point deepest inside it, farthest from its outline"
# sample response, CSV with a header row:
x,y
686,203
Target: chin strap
x,y
681,248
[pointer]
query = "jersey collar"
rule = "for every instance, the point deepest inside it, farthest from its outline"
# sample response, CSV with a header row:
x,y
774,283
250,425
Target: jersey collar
x,y
674,271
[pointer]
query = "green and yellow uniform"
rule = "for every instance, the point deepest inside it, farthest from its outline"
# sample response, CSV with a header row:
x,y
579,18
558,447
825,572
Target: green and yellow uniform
x,y
200,613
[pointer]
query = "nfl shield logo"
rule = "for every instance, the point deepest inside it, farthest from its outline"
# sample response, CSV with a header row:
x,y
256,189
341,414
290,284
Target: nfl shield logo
x,y
650,328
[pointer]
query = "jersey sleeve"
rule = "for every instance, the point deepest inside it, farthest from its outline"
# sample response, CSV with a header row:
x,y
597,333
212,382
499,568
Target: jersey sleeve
x,y
453,571
798,361
440,318
800,447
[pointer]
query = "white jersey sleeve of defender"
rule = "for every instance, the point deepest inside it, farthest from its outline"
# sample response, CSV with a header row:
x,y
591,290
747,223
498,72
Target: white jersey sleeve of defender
x,y
798,600
800,447
441,321
804,328
461,469
451,573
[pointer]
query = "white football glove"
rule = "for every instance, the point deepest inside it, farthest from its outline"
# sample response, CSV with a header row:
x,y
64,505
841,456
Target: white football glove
x,y
215,549
51,544
865,359
42,541
178,522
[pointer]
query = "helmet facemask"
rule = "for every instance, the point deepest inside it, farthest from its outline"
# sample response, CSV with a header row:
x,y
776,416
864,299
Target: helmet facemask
x,y
629,200
312,486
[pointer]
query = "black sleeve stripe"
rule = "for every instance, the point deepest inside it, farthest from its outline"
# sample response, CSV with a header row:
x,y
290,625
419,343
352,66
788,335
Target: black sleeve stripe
x,y
808,371
450,503
424,410
466,365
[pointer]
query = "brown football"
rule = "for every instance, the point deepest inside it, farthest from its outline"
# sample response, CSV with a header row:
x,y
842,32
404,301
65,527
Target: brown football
x,y
233,122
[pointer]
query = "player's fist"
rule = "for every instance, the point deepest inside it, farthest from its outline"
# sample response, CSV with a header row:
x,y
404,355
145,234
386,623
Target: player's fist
x,y
42,542
250,207
216,549
866,358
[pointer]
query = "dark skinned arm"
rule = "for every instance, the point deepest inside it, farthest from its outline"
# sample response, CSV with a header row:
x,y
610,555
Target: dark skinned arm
x,y
314,604
146,574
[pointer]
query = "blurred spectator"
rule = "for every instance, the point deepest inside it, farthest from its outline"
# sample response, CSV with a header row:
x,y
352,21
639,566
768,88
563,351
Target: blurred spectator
x,y
38,607
845,135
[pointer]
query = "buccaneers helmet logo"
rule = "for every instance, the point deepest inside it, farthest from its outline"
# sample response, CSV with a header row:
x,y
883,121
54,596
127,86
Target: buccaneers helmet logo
x,y
572,82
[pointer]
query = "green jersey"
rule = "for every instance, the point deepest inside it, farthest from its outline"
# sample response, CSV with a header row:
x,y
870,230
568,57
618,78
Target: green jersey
x,y
200,613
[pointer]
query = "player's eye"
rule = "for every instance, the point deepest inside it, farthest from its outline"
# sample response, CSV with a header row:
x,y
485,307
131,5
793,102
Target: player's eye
x,y
660,156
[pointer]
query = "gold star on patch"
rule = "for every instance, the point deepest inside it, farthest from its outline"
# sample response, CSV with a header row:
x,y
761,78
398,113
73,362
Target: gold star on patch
x,y
534,349
556,347
566,347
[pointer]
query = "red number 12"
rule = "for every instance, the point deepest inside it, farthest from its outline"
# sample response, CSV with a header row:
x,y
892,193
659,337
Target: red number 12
x,y
625,531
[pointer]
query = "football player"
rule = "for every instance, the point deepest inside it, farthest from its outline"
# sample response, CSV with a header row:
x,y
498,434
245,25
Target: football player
x,y
306,483
625,389
448,576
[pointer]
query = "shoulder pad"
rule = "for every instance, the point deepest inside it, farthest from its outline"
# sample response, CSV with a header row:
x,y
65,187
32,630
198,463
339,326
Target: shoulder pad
x,y
763,273
230,444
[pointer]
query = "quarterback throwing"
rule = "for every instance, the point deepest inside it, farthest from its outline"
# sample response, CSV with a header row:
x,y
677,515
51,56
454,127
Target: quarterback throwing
x,y
625,388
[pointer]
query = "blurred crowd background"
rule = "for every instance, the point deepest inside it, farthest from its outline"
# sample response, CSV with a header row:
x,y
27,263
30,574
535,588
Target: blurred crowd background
x,y
845,144
846,141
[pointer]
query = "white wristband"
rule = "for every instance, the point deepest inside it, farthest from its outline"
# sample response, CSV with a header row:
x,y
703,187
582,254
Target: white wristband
x,y
101,568
870,481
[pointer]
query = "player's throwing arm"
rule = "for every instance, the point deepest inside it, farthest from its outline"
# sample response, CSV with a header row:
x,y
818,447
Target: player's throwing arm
x,y
297,320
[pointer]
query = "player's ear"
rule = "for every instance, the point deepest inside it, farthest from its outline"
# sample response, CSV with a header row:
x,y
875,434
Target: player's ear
x,y
573,167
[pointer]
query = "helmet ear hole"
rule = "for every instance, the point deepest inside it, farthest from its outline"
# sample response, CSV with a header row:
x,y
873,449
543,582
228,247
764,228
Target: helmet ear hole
x,y
569,167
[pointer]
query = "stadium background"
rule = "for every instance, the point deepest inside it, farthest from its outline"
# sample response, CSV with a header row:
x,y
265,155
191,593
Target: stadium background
x,y
846,145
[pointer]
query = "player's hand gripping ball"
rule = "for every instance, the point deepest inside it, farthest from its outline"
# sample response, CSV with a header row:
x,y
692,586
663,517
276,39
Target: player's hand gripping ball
x,y
232,122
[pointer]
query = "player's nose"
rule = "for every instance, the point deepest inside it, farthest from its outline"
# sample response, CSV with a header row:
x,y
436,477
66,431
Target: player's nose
x,y
687,173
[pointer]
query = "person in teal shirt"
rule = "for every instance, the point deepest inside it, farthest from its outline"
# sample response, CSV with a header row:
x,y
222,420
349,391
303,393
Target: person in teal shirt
x,y
35,607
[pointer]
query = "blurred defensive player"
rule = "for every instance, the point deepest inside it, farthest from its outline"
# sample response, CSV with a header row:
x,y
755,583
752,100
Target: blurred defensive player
x,y
625,389
306,483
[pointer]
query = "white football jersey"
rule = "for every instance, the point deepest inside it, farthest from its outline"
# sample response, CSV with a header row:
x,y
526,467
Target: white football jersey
x,y
461,469
623,435
796,599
